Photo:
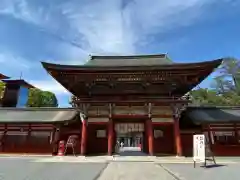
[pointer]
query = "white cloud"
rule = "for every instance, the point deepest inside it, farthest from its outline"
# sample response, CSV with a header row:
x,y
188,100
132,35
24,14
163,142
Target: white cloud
x,y
104,27
13,61
160,16
49,85
22,9
97,27
107,27
14,65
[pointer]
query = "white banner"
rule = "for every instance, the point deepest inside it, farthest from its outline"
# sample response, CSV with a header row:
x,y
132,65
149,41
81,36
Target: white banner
x,y
199,148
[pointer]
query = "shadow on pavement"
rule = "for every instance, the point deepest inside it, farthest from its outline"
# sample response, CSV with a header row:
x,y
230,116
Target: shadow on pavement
x,y
212,166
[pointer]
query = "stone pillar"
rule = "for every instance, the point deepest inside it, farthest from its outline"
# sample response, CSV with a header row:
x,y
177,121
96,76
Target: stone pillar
x,y
84,137
177,135
110,136
150,136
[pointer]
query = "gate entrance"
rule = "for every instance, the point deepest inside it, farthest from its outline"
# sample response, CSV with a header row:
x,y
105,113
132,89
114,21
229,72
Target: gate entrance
x,y
129,137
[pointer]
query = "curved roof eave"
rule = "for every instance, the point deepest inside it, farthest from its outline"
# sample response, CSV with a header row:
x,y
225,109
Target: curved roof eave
x,y
2,76
214,63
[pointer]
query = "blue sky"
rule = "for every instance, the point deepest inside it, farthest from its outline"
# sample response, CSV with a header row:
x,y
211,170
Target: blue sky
x,y
67,32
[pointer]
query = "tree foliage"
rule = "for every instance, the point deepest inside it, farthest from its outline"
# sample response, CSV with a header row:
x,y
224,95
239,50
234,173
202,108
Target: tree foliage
x,y
38,98
225,89
2,88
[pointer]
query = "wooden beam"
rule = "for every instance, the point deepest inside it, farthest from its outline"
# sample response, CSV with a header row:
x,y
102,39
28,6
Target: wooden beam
x,y
118,100
185,71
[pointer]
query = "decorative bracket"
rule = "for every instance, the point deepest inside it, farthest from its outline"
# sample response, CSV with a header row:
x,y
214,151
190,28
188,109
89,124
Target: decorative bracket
x,y
149,110
178,109
110,110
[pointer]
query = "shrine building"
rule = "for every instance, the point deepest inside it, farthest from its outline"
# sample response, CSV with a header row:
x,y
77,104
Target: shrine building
x,y
139,100
136,99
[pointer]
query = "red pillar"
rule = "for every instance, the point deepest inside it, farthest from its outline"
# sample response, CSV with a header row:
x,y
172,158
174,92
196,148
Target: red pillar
x,y
110,136
177,137
150,136
84,137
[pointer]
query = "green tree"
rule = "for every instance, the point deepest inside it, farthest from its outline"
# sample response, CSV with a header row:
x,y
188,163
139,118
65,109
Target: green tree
x,y
2,88
49,99
226,86
205,97
38,98
228,76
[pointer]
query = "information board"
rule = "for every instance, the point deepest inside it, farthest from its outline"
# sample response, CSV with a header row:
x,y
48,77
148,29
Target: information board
x,y
199,148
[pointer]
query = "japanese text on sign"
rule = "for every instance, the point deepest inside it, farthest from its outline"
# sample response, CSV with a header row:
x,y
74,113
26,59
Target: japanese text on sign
x,y
199,148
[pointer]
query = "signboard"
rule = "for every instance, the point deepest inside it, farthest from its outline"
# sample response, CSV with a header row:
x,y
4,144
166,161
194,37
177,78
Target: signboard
x,y
199,148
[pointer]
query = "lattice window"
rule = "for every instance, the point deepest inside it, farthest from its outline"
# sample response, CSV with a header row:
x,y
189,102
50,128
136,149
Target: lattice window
x,y
40,137
224,137
129,127
15,138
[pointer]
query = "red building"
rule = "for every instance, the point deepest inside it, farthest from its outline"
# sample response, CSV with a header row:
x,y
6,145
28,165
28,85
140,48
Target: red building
x,y
220,124
134,99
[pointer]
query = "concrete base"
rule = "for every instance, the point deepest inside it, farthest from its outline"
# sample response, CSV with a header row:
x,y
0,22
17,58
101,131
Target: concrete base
x,y
180,157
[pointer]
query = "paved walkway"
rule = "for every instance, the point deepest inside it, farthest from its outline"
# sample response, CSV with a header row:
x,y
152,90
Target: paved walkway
x,y
105,168
106,159
135,171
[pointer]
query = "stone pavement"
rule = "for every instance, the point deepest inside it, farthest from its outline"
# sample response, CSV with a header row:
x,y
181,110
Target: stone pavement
x,y
105,159
135,171
28,169
112,168
187,172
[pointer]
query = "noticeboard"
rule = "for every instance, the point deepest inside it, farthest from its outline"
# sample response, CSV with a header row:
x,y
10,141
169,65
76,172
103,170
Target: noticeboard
x,y
199,148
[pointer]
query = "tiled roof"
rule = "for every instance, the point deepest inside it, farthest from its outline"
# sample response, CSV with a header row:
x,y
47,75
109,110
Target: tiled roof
x,y
213,114
139,60
36,115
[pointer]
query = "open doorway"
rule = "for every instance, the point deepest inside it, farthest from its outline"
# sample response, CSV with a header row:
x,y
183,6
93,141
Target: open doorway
x,y
129,139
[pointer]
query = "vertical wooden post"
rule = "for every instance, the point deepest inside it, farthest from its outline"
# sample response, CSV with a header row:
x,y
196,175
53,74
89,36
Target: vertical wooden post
x,y
84,137
209,136
53,144
177,135
28,140
150,136
3,138
110,136
236,133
